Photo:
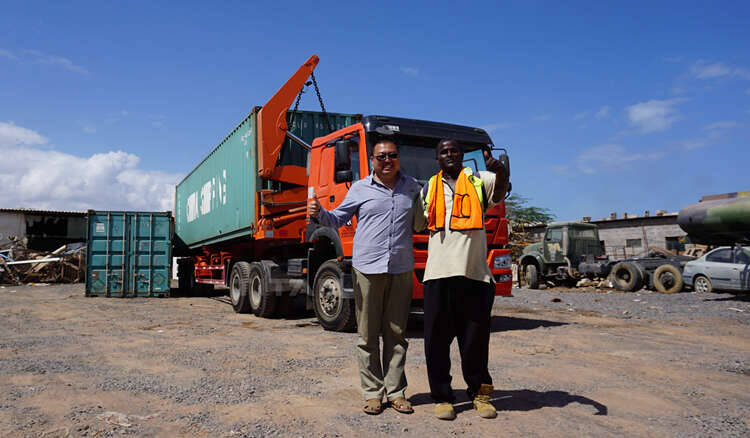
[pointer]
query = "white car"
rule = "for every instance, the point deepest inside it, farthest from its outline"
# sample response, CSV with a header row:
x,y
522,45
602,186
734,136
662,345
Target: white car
x,y
724,268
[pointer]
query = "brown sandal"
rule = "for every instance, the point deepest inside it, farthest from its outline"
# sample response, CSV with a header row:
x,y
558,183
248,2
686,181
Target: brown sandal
x,y
402,405
373,406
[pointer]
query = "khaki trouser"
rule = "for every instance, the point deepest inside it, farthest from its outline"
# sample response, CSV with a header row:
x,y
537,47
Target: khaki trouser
x,y
382,307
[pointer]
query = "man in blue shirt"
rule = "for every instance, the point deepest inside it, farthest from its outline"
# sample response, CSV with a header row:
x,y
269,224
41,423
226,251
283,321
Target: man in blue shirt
x,y
382,265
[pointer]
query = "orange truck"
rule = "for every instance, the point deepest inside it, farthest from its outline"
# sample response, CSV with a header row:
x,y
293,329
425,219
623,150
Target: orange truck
x,y
240,215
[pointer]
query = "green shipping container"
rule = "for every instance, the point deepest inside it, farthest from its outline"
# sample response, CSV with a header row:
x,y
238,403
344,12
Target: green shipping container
x,y
129,254
217,200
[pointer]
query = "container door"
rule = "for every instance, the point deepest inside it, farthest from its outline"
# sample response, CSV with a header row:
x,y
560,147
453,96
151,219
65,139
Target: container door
x,y
150,261
107,253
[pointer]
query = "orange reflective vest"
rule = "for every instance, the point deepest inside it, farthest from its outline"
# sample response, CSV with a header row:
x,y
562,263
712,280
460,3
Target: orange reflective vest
x,y
468,203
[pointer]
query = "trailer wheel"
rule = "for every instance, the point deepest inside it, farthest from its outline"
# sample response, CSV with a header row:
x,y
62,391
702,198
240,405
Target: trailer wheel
x,y
262,299
667,279
334,312
532,277
238,287
702,284
627,277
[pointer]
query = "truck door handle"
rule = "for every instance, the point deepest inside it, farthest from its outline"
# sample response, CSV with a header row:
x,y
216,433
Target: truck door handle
x,y
332,198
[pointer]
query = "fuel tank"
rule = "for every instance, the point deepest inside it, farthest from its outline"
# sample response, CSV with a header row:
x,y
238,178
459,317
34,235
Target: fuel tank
x,y
718,219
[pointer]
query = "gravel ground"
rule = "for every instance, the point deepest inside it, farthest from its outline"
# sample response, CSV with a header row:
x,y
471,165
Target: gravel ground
x,y
564,363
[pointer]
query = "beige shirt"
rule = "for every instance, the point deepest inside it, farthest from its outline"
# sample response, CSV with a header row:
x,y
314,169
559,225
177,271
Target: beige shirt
x,y
459,253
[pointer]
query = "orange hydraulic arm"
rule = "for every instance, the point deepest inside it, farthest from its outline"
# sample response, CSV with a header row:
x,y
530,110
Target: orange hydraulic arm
x,y
272,128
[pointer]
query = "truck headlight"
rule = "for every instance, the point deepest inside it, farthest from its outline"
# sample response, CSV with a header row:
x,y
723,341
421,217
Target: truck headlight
x,y
501,262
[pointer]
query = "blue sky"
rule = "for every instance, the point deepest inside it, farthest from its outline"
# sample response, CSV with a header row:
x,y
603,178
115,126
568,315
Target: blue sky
x,y
603,108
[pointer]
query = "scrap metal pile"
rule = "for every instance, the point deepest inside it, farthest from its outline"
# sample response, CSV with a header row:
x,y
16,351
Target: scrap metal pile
x,y
19,264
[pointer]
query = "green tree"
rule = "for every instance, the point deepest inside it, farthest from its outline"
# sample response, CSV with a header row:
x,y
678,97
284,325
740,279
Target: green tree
x,y
521,215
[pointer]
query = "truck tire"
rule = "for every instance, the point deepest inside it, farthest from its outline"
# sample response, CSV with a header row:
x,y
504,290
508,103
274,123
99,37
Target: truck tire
x,y
239,282
334,312
262,299
702,284
532,277
667,279
627,277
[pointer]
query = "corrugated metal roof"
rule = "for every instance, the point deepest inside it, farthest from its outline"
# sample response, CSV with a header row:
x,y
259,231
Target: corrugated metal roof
x,y
50,212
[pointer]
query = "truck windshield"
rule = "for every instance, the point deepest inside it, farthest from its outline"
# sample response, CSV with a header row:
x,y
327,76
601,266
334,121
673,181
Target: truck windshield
x,y
417,156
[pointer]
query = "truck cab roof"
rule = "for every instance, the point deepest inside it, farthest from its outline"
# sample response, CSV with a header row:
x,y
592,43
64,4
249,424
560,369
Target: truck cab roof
x,y
470,137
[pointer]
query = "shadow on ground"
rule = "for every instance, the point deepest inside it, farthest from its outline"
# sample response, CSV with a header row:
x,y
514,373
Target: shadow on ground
x,y
415,329
520,400
743,297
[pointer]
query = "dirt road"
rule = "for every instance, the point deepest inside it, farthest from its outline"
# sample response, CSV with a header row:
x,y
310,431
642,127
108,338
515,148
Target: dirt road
x,y
589,364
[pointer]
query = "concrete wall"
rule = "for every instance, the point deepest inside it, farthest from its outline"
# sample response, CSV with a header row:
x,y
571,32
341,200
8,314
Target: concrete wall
x,y
11,224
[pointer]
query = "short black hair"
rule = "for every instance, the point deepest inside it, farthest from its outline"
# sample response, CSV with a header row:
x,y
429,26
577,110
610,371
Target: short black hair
x,y
458,145
383,140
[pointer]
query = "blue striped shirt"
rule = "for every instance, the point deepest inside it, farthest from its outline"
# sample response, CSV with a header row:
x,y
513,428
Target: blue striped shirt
x,y
385,221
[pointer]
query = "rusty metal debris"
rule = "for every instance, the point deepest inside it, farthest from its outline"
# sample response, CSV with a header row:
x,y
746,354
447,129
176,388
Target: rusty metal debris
x,y
19,265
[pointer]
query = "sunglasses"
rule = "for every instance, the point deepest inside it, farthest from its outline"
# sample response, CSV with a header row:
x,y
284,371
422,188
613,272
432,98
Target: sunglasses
x,y
382,157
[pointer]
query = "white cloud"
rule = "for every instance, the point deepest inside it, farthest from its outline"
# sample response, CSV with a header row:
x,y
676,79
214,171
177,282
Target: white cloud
x,y
581,115
654,115
721,125
43,58
603,112
610,158
542,117
705,70
14,135
46,179
498,126
89,129
411,71
7,53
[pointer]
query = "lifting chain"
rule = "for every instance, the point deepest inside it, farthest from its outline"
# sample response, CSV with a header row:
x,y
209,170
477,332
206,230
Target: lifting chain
x,y
320,99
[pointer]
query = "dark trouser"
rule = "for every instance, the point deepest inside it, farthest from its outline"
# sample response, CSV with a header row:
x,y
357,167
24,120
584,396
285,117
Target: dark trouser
x,y
457,307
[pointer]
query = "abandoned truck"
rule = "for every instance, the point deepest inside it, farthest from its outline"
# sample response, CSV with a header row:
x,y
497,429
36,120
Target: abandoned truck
x,y
241,213
571,251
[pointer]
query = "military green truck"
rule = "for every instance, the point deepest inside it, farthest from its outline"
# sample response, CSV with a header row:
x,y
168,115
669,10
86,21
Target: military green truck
x,y
571,251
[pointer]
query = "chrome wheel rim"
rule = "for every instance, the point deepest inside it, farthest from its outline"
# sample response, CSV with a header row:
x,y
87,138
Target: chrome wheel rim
x,y
329,296
701,285
255,291
235,289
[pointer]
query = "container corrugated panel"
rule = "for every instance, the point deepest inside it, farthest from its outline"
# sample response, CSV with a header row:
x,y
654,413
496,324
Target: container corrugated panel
x,y
129,254
217,200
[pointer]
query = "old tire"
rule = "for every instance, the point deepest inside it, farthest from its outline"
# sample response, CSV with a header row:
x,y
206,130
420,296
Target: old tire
x,y
702,284
532,277
262,299
239,282
627,277
334,312
667,279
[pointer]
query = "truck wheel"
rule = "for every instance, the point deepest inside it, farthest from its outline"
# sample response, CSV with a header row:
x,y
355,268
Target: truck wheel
x,y
238,287
532,277
667,279
627,277
262,299
334,312
702,284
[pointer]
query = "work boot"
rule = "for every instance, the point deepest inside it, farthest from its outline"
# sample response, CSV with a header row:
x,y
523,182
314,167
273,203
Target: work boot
x,y
482,402
444,411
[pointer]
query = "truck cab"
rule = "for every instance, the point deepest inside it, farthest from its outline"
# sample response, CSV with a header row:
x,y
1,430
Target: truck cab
x,y
568,252
341,158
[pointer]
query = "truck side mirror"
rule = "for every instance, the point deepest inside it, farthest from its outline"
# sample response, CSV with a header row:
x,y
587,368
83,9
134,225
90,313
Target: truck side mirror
x,y
343,162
